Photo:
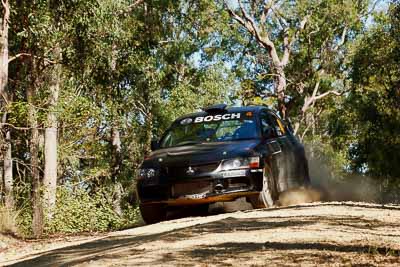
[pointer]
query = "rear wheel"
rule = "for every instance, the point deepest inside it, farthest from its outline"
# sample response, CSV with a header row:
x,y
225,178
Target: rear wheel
x,y
153,213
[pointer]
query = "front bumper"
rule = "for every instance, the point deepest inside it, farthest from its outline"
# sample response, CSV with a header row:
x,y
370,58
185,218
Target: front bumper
x,y
199,190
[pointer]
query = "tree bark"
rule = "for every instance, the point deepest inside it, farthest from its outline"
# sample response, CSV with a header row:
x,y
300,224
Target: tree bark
x,y
116,153
116,169
51,143
4,99
37,216
116,162
8,170
4,47
280,85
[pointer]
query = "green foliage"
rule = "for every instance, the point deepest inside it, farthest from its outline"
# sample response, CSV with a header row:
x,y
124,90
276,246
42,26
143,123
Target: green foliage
x,y
78,211
135,70
323,152
369,120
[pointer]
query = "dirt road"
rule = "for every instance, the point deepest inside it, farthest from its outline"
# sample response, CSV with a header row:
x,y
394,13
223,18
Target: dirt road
x,y
314,234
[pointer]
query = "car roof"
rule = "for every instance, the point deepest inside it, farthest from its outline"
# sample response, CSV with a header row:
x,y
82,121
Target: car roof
x,y
255,109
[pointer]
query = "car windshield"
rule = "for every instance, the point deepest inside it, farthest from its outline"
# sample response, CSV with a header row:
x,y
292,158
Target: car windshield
x,y
211,128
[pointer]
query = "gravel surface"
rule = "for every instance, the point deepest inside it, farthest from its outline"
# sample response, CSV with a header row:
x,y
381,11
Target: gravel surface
x,y
323,234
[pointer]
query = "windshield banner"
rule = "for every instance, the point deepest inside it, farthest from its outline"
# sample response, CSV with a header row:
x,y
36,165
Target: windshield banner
x,y
218,117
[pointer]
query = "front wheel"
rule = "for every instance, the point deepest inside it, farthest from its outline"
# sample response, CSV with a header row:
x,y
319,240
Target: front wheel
x,y
153,213
268,194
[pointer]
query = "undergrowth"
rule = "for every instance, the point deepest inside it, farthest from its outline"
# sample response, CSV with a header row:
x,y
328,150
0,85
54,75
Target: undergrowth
x,y
8,221
76,211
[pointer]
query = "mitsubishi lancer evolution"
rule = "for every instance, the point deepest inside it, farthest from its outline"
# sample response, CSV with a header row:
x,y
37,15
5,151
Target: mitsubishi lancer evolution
x,y
221,154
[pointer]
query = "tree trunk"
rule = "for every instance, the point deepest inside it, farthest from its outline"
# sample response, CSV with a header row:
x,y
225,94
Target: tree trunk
x,y
4,47
8,171
4,98
115,134
116,161
149,132
280,87
116,169
116,153
37,217
50,145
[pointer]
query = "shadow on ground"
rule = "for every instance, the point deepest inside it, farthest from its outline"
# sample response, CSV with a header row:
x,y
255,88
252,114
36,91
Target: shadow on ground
x,y
126,246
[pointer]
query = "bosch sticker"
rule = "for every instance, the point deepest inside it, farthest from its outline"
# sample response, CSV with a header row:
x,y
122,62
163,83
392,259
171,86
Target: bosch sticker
x,y
229,116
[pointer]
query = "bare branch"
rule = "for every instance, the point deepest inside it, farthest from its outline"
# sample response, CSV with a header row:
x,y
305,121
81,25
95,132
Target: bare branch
x,y
297,124
130,8
342,39
27,165
261,37
18,56
264,13
310,100
333,92
135,4
30,55
305,131
369,12
141,108
289,44
18,128
281,19
5,98
235,16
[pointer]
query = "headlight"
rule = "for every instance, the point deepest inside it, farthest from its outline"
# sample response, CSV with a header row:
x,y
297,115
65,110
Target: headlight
x,y
147,173
240,163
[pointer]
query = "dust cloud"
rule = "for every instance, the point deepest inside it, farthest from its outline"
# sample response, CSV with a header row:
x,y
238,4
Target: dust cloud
x,y
342,187
328,184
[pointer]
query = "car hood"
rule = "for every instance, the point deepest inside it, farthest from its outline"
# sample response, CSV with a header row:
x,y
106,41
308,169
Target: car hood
x,y
200,153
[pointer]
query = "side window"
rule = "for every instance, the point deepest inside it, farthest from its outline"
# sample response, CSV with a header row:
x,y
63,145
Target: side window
x,y
278,125
267,126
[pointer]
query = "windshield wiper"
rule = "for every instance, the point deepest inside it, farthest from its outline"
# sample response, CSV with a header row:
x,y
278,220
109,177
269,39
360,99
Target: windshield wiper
x,y
184,143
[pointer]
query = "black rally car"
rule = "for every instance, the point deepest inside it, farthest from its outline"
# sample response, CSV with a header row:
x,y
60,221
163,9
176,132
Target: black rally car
x,y
221,154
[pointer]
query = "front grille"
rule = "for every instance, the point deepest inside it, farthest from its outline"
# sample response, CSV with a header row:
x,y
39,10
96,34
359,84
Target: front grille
x,y
238,182
177,172
153,193
197,187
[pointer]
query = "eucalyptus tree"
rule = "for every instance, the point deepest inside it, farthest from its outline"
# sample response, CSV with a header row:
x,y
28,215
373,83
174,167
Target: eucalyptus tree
x,y
132,61
367,123
271,24
94,81
5,99
37,71
304,43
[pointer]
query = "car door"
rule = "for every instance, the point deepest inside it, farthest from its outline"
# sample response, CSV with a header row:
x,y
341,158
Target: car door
x,y
277,147
301,164
290,162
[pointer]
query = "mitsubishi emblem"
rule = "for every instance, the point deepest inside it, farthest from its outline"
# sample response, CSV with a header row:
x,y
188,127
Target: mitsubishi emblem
x,y
190,171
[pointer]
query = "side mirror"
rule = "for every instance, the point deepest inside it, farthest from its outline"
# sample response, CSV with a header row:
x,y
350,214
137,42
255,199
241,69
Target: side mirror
x,y
154,145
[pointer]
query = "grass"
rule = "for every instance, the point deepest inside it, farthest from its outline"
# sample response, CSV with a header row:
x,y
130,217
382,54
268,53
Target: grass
x,y
8,224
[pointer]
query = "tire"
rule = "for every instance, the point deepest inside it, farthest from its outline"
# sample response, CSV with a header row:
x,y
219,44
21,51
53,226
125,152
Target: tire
x,y
153,213
269,194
